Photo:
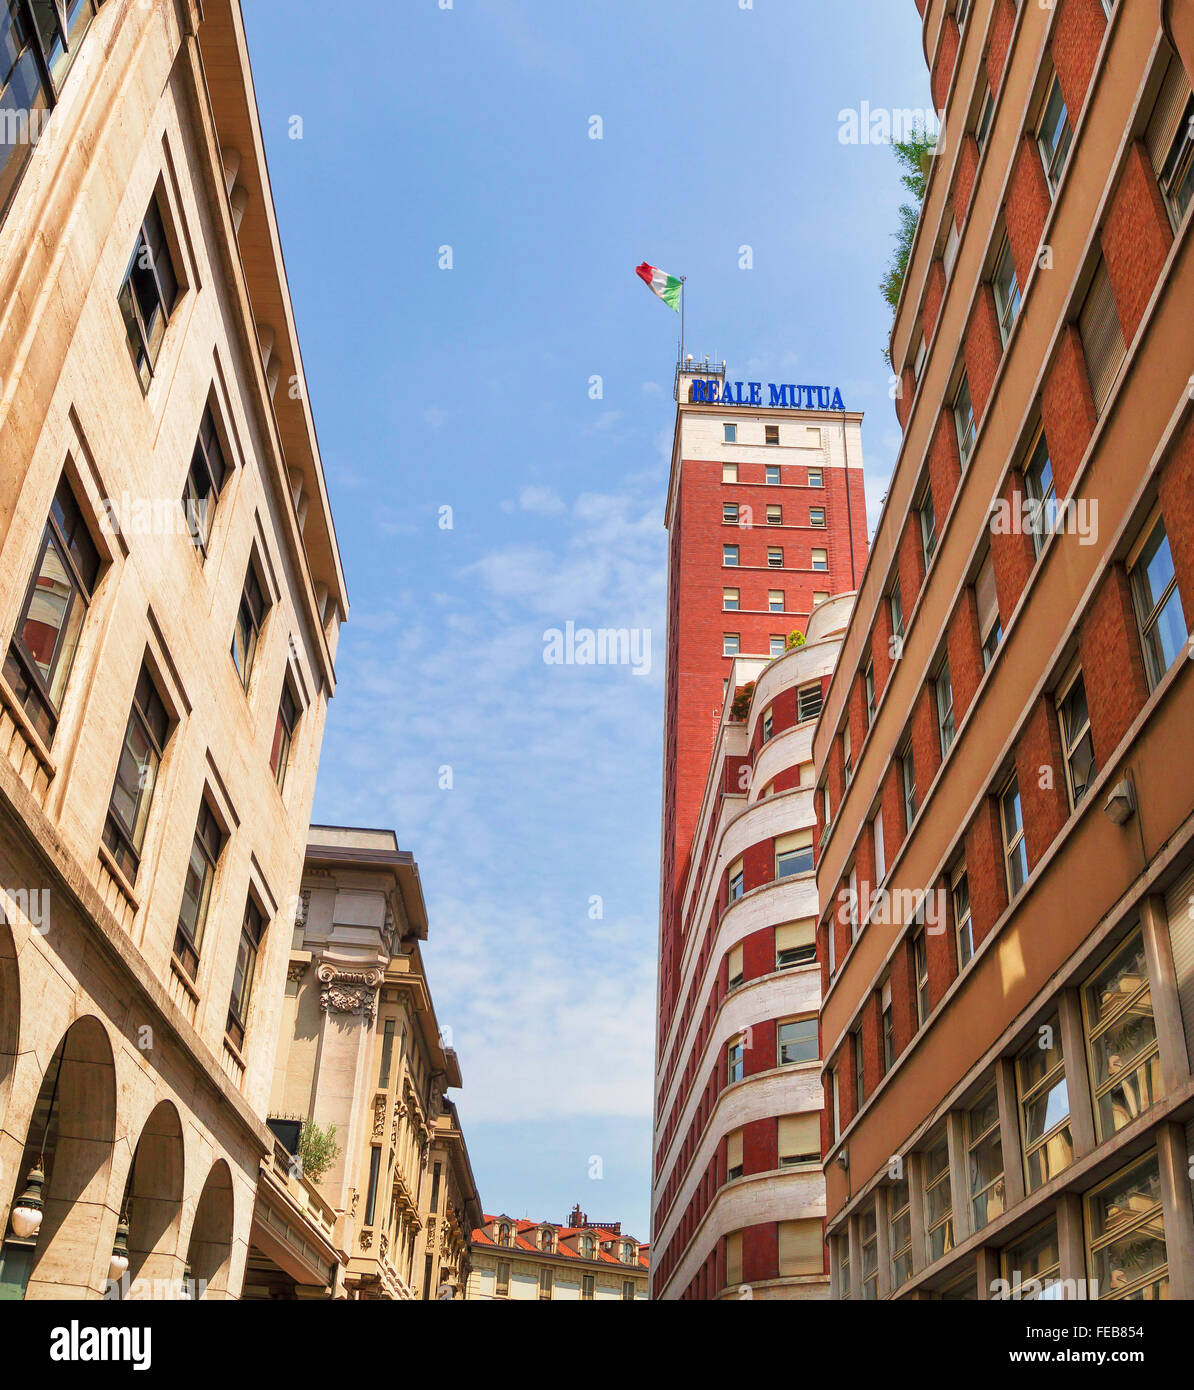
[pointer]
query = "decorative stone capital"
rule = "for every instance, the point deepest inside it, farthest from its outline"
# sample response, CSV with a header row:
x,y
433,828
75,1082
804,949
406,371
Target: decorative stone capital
x,y
348,991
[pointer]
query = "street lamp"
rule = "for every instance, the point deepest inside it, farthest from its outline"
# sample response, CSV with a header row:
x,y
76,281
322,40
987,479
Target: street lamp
x,y
27,1209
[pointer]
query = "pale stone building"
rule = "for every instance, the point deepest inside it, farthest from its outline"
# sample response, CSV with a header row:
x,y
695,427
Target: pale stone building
x,y
581,1261
170,599
362,1051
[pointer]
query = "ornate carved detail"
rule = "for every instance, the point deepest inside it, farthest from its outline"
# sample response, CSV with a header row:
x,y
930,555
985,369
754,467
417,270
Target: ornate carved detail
x,y
385,1245
379,1116
366,1240
304,907
296,970
348,991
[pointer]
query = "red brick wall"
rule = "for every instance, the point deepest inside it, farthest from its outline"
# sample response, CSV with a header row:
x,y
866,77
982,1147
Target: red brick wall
x,y
1177,507
1112,664
1002,24
1043,797
943,66
1077,37
760,1253
945,469
1027,209
934,294
964,178
903,998
943,956
984,349
911,562
985,868
1013,555
872,1043
760,1145
1136,238
926,740
1067,409
965,653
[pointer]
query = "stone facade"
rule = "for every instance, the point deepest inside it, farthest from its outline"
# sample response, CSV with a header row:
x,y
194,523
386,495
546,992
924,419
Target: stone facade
x,y
145,333
580,1261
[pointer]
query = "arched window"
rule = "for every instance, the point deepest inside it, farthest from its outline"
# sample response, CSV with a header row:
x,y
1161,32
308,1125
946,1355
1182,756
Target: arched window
x,y
588,1247
503,1235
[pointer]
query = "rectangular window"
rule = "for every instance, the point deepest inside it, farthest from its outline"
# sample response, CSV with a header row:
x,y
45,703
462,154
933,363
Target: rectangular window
x,y
772,474
852,902
205,482
46,635
859,1068
1102,337
243,973
731,435
843,1270
503,1279
794,854
1073,716
896,602
731,600
729,555
808,703
819,598
949,253
776,602
928,527
868,683
887,1026
735,880
775,558
734,1061
371,1194
939,1202
820,559
734,1259
918,362
1159,613
729,512
1044,1106
795,944
816,477
250,616
1015,850
771,434
729,472
1054,135
1032,1267
734,1166
868,1237
1126,1247
990,626
775,515
799,1139
908,777
196,891
141,753
730,644
796,1041
1121,1035
920,966
880,847
627,1290
284,728
1170,141
1007,291
847,754
946,728
778,645
816,516
812,436
984,1154
149,293
899,1239
1042,494
546,1277
734,975
986,114
387,1054
959,897
964,420
588,1287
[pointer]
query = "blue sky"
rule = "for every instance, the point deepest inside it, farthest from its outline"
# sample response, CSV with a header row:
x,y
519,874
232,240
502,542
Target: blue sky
x,y
469,388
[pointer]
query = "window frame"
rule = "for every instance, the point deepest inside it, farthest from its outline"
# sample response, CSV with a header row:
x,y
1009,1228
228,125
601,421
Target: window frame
x,y
144,351
1055,156
1007,301
209,839
125,843
1015,844
1148,621
1071,742
254,926
965,423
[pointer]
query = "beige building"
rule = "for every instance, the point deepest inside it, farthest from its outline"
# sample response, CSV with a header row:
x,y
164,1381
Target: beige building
x,y
581,1261
170,598
362,1051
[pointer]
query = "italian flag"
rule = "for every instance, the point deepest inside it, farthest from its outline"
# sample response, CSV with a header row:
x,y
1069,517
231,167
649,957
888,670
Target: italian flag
x,y
666,286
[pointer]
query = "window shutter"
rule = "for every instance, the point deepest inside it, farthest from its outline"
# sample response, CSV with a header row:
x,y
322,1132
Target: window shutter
x,y
735,963
799,1134
734,1258
1102,337
793,934
801,1248
734,1150
799,839
988,600
1167,114
1179,908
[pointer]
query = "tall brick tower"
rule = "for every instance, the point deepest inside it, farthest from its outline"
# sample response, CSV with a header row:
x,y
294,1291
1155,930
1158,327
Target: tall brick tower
x,y
766,516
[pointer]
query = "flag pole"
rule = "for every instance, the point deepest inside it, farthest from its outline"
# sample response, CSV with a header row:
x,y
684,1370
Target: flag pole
x,y
683,286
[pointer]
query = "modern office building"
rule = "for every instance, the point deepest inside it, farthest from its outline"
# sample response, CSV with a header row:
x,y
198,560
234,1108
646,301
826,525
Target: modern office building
x,y
362,1055
585,1261
170,601
766,518
1005,808
739,1192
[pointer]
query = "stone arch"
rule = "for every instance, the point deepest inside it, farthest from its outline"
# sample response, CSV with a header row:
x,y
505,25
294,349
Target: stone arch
x,y
209,1253
74,1125
153,1204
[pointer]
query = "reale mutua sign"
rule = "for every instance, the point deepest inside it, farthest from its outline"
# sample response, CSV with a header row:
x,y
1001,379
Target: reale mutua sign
x,y
750,393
